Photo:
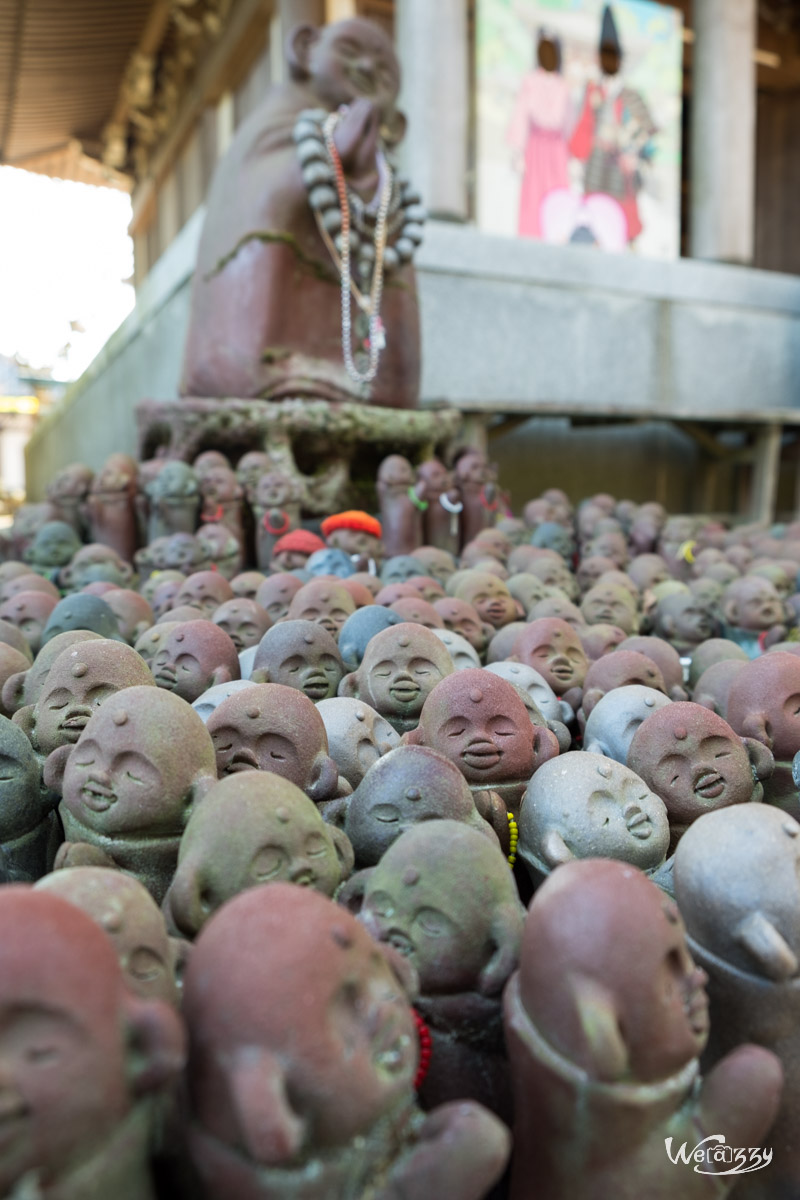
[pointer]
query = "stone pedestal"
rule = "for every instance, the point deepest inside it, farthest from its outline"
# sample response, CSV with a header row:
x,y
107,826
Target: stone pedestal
x,y
336,448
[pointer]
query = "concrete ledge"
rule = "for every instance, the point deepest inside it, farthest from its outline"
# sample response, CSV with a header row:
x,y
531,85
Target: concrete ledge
x,y
509,325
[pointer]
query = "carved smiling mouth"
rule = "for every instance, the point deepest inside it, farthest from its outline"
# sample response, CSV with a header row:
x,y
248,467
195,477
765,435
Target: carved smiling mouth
x,y
97,797
74,723
165,677
496,611
638,823
696,1008
709,785
562,673
482,756
404,693
316,687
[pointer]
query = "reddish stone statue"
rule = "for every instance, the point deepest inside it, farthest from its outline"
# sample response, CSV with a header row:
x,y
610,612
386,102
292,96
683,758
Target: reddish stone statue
x,y
402,503
195,656
694,761
292,551
252,829
476,480
553,648
266,315
441,520
400,668
489,596
605,1021
460,929
736,880
127,912
81,679
318,1105
764,703
277,504
478,721
129,783
270,727
83,1061
324,601
276,592
111,506
244,621
221,499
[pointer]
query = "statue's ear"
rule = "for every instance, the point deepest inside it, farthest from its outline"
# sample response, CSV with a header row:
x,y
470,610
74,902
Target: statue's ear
x,y
730,611
269,1129
555,850
351,894
348,686
344,849
324,779
156,1051
13,692
506,934
259,676
600,1026
54,767
220,675
767,947
761,759
200,786
298,51
25,718
754,725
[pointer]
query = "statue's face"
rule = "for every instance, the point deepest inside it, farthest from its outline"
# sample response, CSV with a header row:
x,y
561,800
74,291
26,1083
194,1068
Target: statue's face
x,y
447,940
282,842
54,545
695,767
462,618
244,621
325,602
185,664
50,1046
309,662
275,594
600,809
692,620
357,736
491,599
121,779
277,741
219,484
606,604
484,742
181,553
555,651
205,590
354,541
758,604
80,681
133,921
400,673
20,808
30,612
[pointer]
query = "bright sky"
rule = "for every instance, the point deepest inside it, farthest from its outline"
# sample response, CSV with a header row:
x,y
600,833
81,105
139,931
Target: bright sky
x,y
64,253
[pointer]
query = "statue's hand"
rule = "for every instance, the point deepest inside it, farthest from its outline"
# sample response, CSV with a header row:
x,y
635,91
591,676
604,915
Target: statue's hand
x,y
356,139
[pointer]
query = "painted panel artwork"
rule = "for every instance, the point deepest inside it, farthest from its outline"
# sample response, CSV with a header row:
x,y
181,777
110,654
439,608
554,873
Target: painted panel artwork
x,y
579,122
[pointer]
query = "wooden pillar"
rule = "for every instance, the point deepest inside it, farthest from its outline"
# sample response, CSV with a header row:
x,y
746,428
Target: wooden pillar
x,y
767,460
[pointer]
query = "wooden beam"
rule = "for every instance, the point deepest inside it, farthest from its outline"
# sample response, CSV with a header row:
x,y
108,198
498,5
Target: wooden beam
x,y
213,79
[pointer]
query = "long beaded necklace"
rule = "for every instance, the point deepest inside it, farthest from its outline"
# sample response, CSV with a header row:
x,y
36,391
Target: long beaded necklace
x,y
381,234
376,340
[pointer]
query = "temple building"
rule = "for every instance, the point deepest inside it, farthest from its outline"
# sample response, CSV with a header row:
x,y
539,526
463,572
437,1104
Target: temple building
x,y
675,378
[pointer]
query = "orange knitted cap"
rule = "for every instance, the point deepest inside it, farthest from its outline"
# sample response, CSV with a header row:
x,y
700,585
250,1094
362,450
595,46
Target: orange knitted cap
x,y
352,519
299,540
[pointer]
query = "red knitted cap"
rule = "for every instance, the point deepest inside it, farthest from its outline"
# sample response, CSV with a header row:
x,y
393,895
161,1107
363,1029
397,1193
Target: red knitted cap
x,y
352,519
300,540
